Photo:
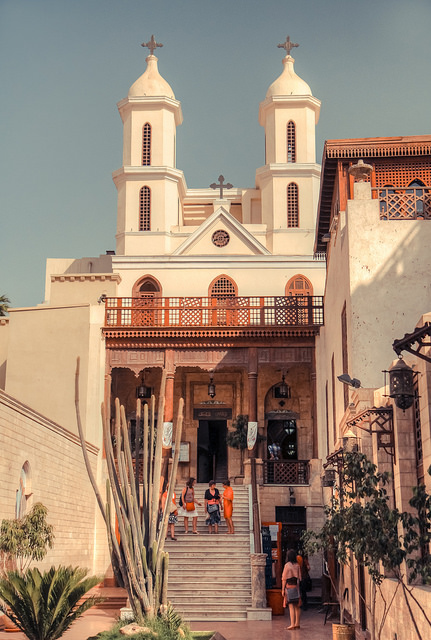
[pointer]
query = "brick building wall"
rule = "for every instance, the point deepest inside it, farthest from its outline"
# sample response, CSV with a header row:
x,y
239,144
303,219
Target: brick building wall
x,y
56,476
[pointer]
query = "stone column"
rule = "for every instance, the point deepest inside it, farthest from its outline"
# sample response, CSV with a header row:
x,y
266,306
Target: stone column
x,y
168,418
259,610
252,393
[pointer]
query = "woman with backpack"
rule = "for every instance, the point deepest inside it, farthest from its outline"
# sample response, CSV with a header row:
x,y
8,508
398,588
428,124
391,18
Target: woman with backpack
x,y
187,506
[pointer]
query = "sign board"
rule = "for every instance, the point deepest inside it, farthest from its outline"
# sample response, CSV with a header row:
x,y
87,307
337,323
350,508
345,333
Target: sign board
x,y
207,413
184,451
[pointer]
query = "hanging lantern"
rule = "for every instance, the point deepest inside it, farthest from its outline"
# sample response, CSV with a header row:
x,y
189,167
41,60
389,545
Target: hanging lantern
x,y
328,479
401,387
142,391
282,390
211,388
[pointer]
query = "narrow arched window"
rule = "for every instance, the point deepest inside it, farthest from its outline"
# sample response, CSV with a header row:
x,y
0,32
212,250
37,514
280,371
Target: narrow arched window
x,y
291,142
299,286
292,205
146,145
145,209
222,287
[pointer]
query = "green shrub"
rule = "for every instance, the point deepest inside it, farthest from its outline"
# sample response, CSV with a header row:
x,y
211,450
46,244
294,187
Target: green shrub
x,y
166,628
44,605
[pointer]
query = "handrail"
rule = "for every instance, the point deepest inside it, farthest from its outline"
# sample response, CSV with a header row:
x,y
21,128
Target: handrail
x,y
286,471
409,203
221,311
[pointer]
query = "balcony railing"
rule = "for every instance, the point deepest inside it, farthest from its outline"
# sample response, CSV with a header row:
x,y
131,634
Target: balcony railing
x,y
285,471
253,311
404,204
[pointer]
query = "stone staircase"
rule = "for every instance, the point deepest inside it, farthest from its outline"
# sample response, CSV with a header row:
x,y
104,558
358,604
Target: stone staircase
x,y
209,575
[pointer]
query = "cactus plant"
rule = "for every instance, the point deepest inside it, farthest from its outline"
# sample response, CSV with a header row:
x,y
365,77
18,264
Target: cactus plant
x,y
139,561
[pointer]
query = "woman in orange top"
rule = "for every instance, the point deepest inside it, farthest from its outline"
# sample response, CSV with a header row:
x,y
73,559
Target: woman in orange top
x,y
228,505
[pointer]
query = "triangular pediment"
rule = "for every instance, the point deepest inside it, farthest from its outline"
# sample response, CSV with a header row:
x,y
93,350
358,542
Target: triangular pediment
x,y
233,239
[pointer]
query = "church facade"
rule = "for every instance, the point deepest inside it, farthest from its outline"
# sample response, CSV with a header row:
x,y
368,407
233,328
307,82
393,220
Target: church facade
x,y
220,286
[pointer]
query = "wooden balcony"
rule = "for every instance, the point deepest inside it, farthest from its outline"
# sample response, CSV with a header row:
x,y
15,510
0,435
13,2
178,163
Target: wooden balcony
x,y
404,204
285,471
229,312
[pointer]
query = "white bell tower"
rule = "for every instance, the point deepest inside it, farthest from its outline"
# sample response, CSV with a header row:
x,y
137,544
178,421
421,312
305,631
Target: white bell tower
x,y
150,188
289,180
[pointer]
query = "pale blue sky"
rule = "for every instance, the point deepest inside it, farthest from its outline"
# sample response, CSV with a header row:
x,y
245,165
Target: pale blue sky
x,y
64,64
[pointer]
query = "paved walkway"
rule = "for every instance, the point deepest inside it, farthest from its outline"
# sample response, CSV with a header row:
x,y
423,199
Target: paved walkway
x,y
312,627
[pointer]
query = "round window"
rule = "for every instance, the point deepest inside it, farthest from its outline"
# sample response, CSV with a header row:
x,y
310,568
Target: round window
x,y
220,238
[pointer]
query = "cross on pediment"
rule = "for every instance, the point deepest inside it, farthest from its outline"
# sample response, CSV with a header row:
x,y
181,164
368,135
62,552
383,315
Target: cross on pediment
x,y
221,185
288,45
151,45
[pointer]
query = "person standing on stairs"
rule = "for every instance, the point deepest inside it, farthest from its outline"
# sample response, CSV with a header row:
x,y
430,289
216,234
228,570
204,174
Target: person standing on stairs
x,y
212,507
188,506
173,512
228,505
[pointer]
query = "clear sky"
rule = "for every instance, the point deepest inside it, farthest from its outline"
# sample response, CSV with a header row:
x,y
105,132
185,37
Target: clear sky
x,y
64,64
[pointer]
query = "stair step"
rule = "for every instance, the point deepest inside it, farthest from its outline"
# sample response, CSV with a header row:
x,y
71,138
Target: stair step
x,y
211,579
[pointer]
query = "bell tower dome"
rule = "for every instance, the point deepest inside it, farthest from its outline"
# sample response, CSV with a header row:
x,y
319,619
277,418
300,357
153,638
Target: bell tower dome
x,y
289,180
150,187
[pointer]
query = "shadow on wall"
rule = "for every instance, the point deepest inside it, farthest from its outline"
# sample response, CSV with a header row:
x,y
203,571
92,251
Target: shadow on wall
x,y
389,305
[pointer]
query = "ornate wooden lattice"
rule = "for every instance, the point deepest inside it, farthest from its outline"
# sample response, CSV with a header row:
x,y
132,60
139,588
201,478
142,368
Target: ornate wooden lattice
x,y
145,209
292,205
285,471
146,145
405,204
291,141
226,311
400,173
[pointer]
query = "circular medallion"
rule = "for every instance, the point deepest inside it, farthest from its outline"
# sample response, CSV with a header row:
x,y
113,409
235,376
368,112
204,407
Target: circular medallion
x,y
220,238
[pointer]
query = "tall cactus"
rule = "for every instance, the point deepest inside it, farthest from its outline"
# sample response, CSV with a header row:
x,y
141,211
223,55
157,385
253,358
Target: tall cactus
x,y
138,558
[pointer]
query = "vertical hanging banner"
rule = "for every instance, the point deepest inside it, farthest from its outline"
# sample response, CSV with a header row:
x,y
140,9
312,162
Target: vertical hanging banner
x,y
168,428
251,434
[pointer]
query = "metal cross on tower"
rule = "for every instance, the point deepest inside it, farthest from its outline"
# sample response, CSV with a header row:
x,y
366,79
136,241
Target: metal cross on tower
x,y
151,45
220,185
288,45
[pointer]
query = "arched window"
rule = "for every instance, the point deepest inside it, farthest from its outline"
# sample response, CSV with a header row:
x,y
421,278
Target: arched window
x,y
222,288
146,145
291,142
146,287
299,286
292,205
24,491
145,209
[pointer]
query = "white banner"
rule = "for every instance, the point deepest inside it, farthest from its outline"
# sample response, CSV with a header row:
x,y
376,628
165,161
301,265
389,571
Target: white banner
x,y
251,434
168,428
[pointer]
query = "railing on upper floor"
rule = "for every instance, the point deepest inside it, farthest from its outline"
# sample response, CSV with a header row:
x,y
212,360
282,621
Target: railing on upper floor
x,y
285,471
244,311
411,203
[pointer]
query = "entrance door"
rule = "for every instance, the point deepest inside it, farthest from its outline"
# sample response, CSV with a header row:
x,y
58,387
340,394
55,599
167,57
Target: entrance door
x,y
212,450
